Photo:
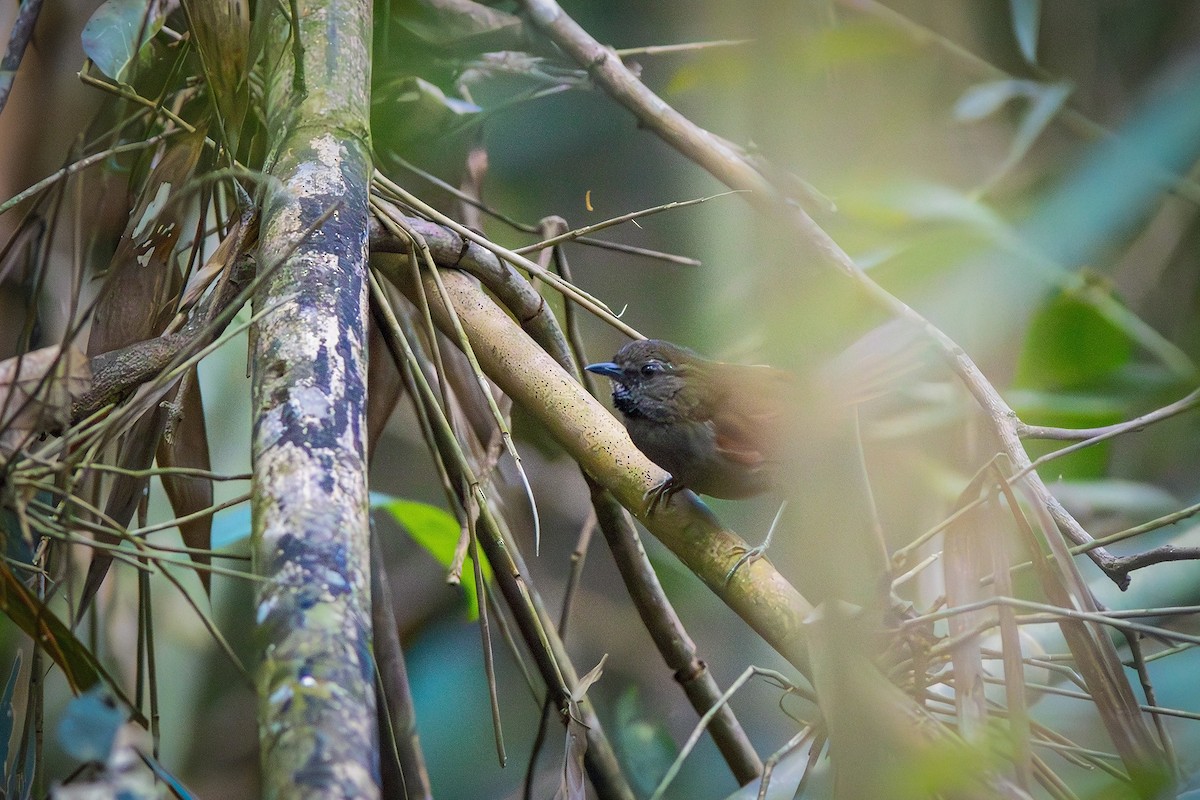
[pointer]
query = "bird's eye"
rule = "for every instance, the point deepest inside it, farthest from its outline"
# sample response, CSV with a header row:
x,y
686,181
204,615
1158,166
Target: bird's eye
x,y
654,368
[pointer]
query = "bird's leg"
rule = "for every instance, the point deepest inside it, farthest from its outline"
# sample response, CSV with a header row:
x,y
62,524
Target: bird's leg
x,y
661,493
755,553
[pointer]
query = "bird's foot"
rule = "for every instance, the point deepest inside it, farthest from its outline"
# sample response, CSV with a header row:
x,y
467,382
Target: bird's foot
x,y
751,554
755,553
661,493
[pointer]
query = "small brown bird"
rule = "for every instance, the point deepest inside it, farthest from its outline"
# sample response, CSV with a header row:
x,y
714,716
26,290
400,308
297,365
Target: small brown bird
x,y
719,429
733,431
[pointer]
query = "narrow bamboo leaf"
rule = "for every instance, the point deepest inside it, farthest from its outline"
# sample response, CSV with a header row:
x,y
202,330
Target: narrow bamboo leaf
x,y
982,100
1043,100
1044,103
190,494
164,775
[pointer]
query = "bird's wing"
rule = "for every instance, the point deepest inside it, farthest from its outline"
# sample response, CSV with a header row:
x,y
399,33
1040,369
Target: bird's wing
x,y
750,416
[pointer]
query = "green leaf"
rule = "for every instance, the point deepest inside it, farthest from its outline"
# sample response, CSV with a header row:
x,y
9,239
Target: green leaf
x,y
902,204
418,109
437,531
1070,344
643,742
856,42
1065,409
119,33
1134,500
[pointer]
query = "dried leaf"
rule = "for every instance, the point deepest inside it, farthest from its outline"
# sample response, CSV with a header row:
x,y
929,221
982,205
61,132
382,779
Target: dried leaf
x,y
587,680
136,454
36,389
143,277
1093,651
573,784
966,563
383,387
225,255
188,494
135,305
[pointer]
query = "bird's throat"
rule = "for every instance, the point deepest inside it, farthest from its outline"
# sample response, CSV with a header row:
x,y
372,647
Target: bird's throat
x,y
623,401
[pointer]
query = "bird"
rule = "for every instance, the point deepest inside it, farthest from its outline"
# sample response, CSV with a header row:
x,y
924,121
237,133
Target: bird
x,y
722,430
735,431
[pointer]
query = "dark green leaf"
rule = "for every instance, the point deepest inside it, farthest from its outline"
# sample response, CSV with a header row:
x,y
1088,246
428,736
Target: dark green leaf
x,y
119,33
437,532
646,747
1070,344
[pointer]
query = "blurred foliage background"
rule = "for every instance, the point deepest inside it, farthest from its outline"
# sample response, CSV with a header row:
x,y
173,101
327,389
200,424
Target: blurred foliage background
x,y
1020,172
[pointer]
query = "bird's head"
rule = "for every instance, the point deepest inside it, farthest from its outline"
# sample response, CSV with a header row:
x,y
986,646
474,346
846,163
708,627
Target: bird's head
x,y
654,379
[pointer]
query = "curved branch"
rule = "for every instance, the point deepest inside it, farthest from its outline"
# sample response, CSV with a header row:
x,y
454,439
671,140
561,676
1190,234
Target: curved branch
x,y
663,624
600,444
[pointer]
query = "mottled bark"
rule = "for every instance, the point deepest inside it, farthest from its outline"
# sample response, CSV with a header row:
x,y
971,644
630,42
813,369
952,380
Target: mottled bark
x,y
311,534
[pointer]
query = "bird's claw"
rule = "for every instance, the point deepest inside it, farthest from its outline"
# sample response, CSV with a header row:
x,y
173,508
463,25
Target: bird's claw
x,y
661,493
752,554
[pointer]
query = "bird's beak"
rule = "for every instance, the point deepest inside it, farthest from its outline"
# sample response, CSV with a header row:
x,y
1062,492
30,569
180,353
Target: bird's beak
x,y
605,368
